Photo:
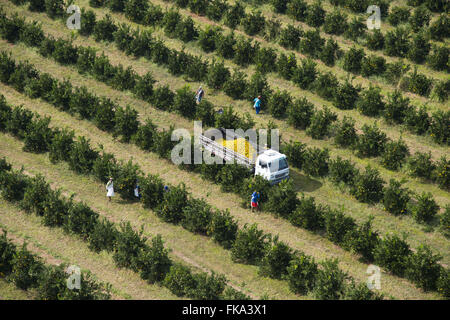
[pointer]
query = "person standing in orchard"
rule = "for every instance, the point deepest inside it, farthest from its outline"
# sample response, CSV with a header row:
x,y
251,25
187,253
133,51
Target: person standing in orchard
x,y
110,189
257,104
255,200
137,190
199,94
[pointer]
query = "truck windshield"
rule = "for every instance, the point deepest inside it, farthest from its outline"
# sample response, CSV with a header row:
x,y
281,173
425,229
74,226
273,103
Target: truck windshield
x,y
278,165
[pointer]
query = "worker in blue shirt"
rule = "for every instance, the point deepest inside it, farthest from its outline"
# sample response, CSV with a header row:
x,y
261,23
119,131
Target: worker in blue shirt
x,y
257,104
199,94
255,200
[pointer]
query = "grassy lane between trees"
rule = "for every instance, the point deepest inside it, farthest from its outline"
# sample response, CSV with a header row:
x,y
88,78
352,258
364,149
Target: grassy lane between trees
x,y
39,273
126,284
8,291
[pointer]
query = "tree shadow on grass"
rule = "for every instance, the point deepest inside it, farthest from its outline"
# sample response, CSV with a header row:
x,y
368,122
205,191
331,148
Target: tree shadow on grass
x,y
303,183
431,225
125,201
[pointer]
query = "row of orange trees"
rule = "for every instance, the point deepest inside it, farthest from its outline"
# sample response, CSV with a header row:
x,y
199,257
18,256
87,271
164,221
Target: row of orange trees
x,y
28,271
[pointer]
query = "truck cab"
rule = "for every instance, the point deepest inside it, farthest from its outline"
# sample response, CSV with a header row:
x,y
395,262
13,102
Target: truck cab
x,y
272,166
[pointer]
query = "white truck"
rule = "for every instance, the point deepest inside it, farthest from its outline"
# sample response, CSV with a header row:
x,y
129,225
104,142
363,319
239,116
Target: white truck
x,y
270,164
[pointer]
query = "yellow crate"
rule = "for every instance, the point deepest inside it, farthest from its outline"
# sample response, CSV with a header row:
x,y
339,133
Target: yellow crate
x,y
239,145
